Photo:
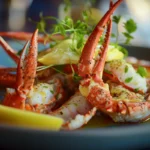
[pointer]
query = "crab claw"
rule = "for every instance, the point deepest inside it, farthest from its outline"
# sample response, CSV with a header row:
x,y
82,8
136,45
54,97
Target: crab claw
x,y
26,72
86,60
92,85
8,80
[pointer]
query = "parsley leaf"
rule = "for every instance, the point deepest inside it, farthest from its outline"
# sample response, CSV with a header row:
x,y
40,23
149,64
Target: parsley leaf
x,y
85,15
128,37
107,71
116,19
127,80
45,86
142,71
136,90
113,35
67,5
130,26
126,69
52,91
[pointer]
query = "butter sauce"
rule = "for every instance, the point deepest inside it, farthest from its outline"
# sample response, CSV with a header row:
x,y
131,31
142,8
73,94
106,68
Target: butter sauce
x,y
101,121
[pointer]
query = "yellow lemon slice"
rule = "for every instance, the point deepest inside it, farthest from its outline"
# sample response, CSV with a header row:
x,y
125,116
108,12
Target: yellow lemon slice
x,y
60,54
114,54
16,117
94,16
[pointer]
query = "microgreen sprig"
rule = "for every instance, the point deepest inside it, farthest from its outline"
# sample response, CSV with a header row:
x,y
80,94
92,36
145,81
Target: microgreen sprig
x,y
40,68
116,19
67,5
129,26
68,28
75,76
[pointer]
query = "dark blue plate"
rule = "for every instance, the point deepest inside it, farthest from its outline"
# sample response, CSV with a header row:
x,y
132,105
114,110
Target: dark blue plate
x,y
110,137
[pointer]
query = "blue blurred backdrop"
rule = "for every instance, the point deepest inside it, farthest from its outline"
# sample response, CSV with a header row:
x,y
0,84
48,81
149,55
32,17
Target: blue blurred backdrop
x,y
14,14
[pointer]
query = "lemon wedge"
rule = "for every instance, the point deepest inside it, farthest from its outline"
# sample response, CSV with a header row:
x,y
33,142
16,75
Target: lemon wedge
x,y
60,54
114,54
94,16
16,117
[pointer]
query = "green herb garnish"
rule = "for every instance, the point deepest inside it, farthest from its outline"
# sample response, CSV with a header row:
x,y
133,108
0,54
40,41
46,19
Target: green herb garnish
x,y
40,68
67,5
113,35
52,91
116,19
68,28
75,76
45,86
142,71
136,90
130,27
107,71
58,70
127,80
126,69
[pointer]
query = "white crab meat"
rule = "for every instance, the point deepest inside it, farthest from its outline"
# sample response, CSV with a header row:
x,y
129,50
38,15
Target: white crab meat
x,y
138,108
127,74
42,93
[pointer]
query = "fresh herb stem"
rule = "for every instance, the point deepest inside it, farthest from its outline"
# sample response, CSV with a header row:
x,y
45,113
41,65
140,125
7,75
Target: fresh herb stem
x,y
129,26
117,34
75,76
116,20
40,68
58,71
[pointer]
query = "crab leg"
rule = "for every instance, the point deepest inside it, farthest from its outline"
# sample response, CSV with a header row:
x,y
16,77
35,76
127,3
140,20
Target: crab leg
x,y
26,73
86,59
12,53
92,85
8,80
98,88
9,69
131,108
27,36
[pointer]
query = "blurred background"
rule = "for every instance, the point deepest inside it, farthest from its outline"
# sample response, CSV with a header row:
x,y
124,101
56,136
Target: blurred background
x,y
15,14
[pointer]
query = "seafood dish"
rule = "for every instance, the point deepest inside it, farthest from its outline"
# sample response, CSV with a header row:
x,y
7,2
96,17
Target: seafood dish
x,y
79,74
